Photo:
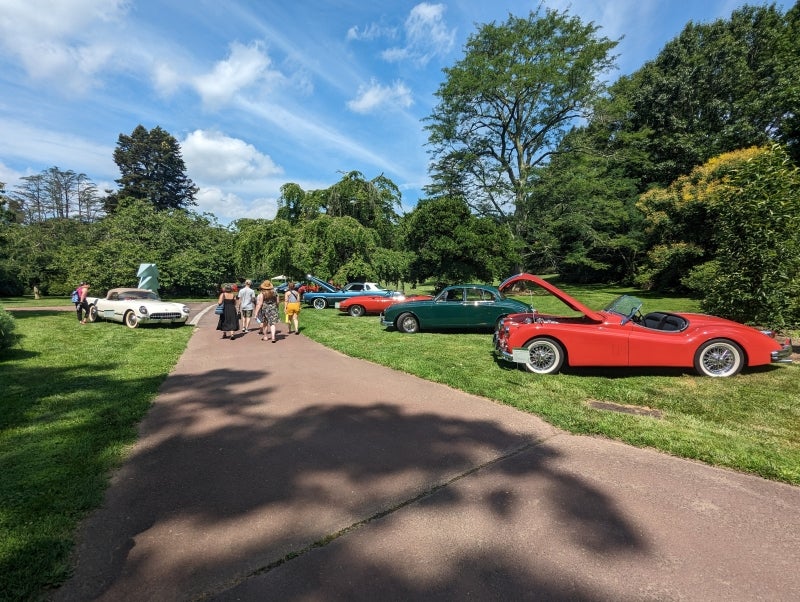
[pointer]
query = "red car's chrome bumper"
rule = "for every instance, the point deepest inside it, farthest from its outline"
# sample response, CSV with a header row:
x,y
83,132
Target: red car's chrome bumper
x,y
783,355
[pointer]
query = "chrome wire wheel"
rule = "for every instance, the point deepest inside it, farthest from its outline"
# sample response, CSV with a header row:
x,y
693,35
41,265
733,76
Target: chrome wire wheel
x,y
545,356
719,358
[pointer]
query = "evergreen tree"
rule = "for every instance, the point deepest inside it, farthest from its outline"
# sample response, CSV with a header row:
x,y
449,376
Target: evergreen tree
x,y
152,170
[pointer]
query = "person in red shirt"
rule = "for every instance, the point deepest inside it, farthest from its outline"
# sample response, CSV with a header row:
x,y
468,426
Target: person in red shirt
x,y
81,306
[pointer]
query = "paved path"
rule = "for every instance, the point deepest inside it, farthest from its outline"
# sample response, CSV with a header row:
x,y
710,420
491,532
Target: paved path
x,y
288,471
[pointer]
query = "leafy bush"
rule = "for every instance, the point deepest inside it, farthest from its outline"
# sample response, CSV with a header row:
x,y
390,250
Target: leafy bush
x,y
700,278
666,265
758,241
7,326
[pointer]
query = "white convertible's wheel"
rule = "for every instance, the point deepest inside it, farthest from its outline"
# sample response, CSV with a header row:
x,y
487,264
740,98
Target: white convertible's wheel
x,y
93,313
719,358
130,319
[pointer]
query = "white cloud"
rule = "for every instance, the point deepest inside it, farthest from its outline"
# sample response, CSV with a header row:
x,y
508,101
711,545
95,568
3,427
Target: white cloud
x,y
34,146
165,79
370,32
426,35
8,176
63,41
212,157
228,206
375,95
245,66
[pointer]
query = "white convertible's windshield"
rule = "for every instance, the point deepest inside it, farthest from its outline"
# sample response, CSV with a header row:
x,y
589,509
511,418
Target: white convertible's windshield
x,y
131,295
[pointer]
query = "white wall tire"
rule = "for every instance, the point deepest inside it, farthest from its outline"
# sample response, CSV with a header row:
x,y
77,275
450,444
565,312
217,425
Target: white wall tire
x,y
545,356
719,358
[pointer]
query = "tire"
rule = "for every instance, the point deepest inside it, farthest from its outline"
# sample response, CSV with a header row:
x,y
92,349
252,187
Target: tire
x,y
130,320
408,323
545,356
320,303
719,358
92,313
356,311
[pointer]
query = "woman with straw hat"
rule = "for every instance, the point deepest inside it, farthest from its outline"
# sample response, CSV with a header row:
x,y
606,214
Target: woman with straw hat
x,y
267,309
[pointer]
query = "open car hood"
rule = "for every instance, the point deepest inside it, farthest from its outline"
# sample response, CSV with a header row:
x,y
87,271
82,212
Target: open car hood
x,y
570,302
324,286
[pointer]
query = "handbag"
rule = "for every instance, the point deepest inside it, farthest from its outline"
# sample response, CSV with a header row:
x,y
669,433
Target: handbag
x,y
218,310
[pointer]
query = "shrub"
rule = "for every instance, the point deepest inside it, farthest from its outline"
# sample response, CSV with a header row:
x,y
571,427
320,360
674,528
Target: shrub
x,y
7,326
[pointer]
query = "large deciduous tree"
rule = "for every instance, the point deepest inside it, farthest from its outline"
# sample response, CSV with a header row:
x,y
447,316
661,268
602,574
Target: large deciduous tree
x,y
453,245
505,106
193,253
152,170
715,88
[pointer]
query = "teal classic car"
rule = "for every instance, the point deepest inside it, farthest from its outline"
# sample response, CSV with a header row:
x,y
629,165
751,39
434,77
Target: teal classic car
x,y
328,295
460,306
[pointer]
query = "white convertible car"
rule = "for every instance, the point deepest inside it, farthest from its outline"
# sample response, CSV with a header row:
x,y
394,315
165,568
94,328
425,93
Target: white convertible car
x,y
134,306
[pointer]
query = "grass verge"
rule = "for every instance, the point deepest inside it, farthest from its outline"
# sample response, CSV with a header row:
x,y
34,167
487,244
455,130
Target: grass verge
x,y
749,423
71,398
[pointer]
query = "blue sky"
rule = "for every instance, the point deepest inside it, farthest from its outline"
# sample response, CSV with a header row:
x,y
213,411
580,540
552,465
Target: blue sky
x,y
260,92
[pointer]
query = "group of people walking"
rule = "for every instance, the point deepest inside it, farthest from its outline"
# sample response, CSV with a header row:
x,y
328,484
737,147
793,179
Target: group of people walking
x,y
240,307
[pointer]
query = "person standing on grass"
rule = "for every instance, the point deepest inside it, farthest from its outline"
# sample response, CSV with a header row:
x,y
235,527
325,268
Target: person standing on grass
x,y
291,302
81,307
267,309
229,320
247,298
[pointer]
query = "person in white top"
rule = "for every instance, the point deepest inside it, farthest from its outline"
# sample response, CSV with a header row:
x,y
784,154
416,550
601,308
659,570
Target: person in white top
x,y
247,303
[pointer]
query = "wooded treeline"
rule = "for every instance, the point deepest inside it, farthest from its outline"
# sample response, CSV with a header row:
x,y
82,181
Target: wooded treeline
x,y
682,176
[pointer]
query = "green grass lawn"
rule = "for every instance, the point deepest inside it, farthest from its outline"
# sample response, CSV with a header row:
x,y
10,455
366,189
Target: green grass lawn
x,y
70,400
72,395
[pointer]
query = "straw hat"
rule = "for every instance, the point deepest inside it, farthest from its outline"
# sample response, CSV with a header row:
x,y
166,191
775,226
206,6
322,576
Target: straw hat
x,y
265,286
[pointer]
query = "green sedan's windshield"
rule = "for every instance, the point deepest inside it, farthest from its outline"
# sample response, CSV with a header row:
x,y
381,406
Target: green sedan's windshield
x,y
626,306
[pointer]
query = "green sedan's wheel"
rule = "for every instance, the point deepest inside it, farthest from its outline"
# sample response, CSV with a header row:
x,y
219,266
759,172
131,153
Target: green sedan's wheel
x,y
356,311
408,323
93,313
719,358
545,356
130,319
320,303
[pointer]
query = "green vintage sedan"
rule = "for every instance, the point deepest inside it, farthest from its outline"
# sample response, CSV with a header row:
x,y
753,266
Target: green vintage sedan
x,y
461,306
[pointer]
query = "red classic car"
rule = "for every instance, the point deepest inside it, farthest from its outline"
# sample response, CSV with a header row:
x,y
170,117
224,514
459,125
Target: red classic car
x,y
375,303
621,336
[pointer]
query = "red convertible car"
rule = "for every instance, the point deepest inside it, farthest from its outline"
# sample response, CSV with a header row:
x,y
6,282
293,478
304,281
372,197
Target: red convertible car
x,y
376,303
621,336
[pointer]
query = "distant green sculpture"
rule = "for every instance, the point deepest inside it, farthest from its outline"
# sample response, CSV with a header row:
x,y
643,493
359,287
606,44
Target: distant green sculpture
x,y
148,276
